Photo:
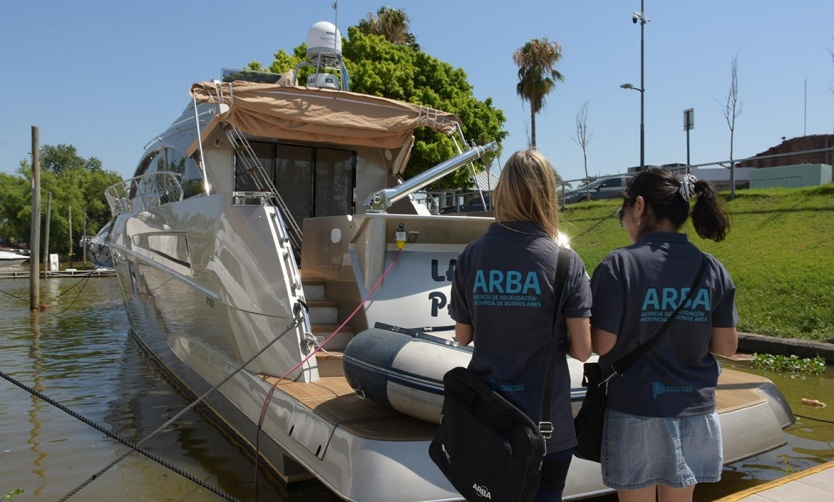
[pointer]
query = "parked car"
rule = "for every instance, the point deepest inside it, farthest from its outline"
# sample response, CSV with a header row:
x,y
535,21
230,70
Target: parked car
x,y
473,205
609,187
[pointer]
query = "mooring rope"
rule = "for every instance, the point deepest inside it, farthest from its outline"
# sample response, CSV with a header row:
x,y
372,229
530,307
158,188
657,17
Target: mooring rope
x,y
44,306
137,446
814,419
13,296
118,437
181,413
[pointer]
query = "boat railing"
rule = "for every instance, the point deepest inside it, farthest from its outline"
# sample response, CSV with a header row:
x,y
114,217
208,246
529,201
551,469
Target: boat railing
x,y
383,199
144,192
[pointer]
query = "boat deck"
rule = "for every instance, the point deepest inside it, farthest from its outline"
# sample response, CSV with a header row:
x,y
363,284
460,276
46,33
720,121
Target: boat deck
x,y
332,398
736,390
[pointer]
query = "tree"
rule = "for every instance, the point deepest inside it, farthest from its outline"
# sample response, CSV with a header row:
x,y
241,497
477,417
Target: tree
x,y
732,109
583,137
74,181
57,159
380,67
15,197
391,24
537,76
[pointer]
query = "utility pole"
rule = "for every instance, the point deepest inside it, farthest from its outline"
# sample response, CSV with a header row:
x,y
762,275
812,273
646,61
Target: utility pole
x,y
35,232
688,124
643,22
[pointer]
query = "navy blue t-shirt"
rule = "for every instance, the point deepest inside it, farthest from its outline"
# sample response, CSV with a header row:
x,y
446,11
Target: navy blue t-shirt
x,y
504,287
636,288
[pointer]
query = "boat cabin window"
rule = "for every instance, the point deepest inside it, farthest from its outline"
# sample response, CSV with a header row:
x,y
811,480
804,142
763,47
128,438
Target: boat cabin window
x,y
168,159
192,177
312,181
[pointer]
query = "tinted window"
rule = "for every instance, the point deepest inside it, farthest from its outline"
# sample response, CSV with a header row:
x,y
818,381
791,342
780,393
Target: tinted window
x,y
192,178
334,181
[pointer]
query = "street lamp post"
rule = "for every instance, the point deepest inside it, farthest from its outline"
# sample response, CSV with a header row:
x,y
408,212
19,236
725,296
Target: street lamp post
x,y
641,18
642,125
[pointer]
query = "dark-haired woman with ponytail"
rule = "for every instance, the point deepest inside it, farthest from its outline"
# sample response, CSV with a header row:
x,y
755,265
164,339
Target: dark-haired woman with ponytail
x,y
662,435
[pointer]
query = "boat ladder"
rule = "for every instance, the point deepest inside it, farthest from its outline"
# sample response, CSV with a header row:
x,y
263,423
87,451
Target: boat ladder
x,y
250,168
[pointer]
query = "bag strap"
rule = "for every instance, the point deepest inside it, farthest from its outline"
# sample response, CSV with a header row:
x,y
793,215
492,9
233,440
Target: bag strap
x,y
563,261
622,364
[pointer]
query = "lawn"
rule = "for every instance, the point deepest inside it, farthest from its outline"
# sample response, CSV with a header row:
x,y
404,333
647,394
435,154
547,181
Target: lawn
x,y
779,252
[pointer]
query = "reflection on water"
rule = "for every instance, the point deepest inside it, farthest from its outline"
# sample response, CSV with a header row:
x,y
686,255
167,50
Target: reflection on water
x,y
83,358
78,353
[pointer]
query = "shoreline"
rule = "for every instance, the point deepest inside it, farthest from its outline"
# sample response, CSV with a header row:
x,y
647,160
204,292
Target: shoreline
x,y
751,343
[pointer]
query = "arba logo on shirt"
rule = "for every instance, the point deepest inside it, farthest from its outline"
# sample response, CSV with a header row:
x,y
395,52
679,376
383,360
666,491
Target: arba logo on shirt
x,y
511,281
670,298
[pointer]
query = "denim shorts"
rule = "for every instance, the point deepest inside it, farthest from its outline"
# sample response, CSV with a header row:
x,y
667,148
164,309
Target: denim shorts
x,y
638,452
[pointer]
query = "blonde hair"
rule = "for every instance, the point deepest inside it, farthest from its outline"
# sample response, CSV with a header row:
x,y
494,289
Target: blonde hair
x,y
526,191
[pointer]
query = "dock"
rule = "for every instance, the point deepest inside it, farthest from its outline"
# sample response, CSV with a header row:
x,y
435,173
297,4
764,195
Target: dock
x,y
816,483
70,272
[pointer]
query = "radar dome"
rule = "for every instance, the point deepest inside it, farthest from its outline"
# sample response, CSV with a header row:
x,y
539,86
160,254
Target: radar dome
x,y
323,38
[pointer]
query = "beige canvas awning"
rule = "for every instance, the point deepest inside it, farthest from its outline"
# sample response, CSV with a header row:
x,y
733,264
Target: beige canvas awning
x,y
321,115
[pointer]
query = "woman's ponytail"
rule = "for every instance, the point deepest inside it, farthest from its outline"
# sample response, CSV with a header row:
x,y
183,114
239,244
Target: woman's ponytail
x,y
708,217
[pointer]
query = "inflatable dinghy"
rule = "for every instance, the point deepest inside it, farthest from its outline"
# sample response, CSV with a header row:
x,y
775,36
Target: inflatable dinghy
x,y
402,368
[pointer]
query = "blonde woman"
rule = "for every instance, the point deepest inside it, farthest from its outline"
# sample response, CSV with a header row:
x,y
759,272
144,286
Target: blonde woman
x,y
503,300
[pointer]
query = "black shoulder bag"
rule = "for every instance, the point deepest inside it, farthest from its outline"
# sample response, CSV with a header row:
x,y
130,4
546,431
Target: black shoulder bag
x,y
591,417
487,447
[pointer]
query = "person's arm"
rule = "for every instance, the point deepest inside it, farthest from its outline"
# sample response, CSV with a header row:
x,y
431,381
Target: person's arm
x,y
724,341
579,337
602,341
463,333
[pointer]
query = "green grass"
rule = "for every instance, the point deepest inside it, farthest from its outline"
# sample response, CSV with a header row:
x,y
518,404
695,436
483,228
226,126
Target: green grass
x,y
779,252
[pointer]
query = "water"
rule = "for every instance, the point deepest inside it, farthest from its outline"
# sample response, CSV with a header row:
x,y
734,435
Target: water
x,y
79,352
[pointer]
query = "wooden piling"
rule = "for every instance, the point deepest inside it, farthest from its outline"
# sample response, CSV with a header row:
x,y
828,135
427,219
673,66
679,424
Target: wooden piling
x,y
34,234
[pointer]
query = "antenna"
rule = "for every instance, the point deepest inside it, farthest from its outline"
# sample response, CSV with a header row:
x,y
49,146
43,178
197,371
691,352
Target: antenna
x,y
336,23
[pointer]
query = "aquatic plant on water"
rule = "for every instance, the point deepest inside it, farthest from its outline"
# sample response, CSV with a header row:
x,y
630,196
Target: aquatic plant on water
x,y
790,364
10,495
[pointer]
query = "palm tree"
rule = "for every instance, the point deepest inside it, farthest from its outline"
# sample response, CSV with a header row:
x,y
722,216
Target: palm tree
x,y
537,75
392,24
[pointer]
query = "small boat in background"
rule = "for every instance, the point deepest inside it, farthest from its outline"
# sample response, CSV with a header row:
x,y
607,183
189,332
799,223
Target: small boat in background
x,y
97,249
10,259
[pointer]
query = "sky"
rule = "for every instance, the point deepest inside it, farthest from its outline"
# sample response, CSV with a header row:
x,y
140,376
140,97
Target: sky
x,y
106,76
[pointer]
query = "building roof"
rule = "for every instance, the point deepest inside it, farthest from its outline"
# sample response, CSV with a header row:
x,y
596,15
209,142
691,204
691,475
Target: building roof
x,y
485,181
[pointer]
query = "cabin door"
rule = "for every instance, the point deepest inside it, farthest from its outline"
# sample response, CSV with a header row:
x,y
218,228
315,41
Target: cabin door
x,y
312,181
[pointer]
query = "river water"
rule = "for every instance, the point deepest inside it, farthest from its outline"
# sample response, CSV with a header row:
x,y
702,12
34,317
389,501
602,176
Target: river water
x,y
79,353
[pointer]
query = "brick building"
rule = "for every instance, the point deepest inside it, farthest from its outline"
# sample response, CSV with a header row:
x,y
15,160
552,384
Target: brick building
x,y
801,145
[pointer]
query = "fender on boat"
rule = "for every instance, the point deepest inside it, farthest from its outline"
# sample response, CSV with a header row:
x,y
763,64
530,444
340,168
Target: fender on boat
x,y
402,369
